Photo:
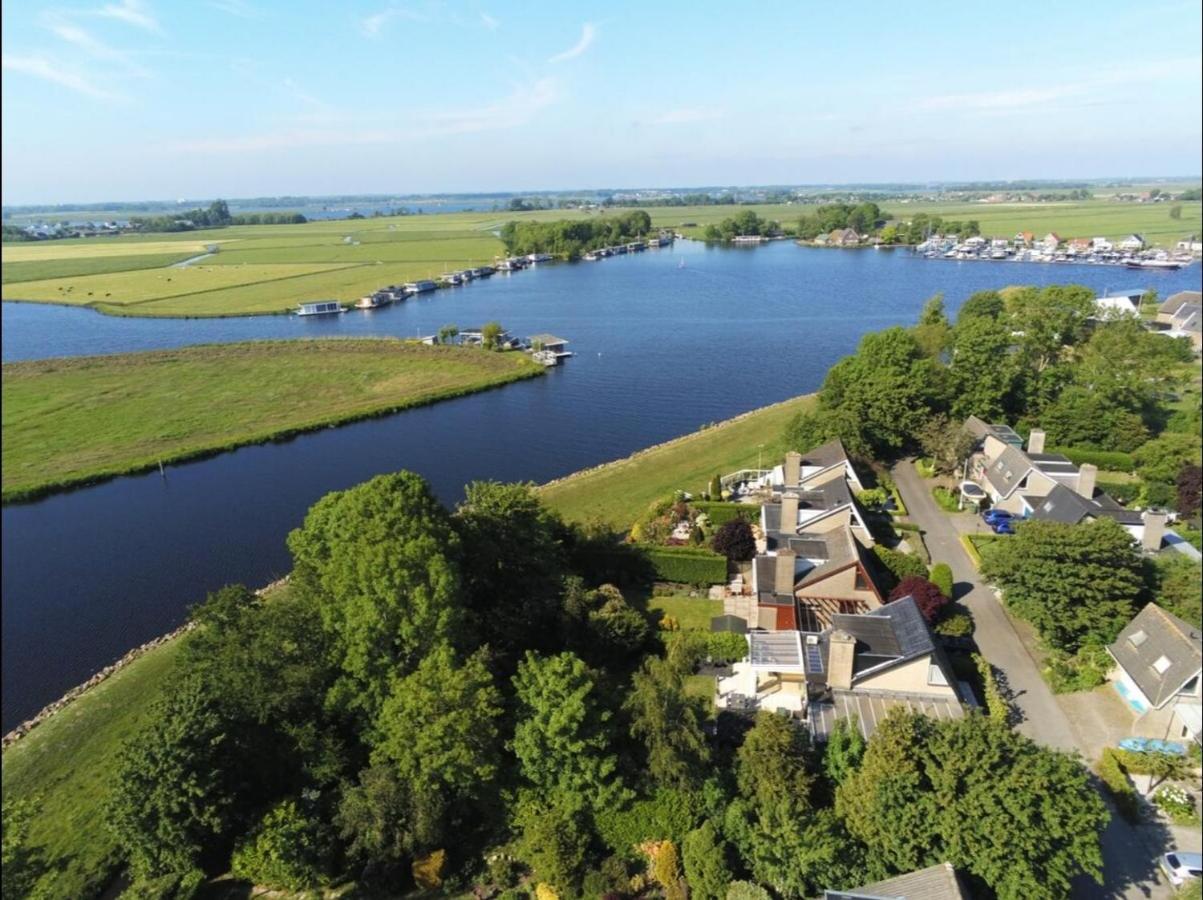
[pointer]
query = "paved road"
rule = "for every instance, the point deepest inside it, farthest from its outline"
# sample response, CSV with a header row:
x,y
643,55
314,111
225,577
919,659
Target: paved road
x,y
1128,853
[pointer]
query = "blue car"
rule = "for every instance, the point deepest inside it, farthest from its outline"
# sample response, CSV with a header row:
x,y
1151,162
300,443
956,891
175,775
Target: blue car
x,y
1002,526
993,516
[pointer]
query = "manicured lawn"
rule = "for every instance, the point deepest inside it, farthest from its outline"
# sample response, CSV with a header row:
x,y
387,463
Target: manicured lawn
x,y
691,613
67,764
617,493
80,419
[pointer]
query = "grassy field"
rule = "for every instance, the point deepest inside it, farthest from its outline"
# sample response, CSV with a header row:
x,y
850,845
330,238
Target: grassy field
x,y
66,766
270,268
67,421
617,493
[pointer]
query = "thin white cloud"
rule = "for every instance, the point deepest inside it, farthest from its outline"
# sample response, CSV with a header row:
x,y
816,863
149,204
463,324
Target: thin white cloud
x,y
514,110
489,22
372,25
588,34
132,12
687,115
93,47
48,70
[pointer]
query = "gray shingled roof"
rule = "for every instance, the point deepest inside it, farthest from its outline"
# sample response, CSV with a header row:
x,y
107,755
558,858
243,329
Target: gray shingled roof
x,y
1013,462
1152,635
937,882
826,455
1069,507
1172,303
980,429
894,630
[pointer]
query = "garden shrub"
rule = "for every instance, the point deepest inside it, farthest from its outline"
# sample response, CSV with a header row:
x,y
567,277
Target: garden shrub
x,y
1177,803
997,707
286,850
1123,794
687,565
726,646
945,499
746,890
900,564
1123,491
428,870
1114,460
719,513
1082,671
872,498
957,624
668,815
941,577
735,541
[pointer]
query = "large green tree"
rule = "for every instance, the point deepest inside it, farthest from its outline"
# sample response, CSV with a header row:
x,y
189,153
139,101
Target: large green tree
x,y
704,854
174,793
982,369
973,793
668,724
438,729
513,571
382,562
1077,584
883,393
560,731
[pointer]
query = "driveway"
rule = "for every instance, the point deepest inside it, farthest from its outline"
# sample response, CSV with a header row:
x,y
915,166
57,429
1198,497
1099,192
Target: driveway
x,y
1129,854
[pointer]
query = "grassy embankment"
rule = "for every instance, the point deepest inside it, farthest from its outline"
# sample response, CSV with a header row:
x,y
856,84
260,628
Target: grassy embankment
x,y
618,492
69,421
67,765
263,269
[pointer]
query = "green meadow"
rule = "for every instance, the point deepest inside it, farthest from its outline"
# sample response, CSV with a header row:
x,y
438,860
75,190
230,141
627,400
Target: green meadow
x,y
261,269
69,421
617,493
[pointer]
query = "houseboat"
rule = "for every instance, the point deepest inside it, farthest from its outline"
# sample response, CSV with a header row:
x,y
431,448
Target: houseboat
x,y
419,287
592,256
539,257
549,347
451,278
374,301
319,308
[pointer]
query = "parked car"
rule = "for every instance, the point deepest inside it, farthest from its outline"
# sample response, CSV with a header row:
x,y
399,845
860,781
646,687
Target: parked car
x,y
1180,868
1002,526
1152,745
991,516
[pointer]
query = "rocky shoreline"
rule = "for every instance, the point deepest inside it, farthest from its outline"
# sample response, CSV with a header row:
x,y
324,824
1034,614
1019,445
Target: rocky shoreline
x,y
107,672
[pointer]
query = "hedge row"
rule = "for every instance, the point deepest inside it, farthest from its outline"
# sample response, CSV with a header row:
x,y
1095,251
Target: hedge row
x,y
1104,459
1123,491
997,707
720,512
1112,773
686,565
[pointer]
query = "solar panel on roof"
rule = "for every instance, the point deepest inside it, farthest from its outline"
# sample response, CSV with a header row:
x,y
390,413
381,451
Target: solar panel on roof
x,y
814,658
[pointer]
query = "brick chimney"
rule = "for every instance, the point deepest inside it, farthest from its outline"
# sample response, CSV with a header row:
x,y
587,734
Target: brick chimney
x,y
789,512
1087,475
793,468
841,654
1036,441
1154,530
783,572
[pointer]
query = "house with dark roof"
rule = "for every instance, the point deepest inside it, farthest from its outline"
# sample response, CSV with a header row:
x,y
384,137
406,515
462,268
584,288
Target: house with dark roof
x,y
939,882
1158,673
1181,315
860,666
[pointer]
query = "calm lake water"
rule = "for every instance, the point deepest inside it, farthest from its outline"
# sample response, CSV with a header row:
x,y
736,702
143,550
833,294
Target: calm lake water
x,y
661,350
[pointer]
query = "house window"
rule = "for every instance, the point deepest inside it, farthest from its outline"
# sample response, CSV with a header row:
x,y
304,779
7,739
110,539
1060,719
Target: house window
x,y
1137,638
862,583
935,675
1162,665
849,607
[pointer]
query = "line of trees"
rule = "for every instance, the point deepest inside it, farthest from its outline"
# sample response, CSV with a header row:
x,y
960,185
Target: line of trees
x,y
215,215
746,223
569,238
449,699
863,218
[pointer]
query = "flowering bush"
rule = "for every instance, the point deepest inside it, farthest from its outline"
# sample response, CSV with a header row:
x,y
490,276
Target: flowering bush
x,y
1177,803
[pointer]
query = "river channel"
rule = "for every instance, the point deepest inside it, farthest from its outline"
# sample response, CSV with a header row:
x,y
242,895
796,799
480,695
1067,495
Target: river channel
x,y
666,341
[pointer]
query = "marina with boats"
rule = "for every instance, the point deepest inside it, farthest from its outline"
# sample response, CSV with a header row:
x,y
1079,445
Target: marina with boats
x,y
1131,252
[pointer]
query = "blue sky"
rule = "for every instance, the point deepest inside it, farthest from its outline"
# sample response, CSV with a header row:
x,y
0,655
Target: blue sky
x,y
141,99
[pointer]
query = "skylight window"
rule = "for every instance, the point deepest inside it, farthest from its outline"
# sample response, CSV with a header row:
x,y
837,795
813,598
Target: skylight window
x,y
1137,638
1162,664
